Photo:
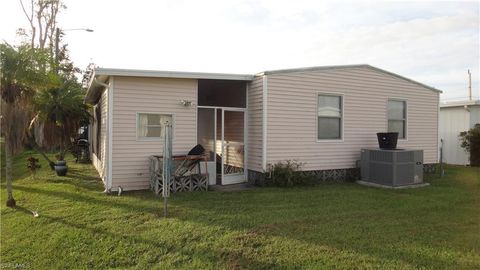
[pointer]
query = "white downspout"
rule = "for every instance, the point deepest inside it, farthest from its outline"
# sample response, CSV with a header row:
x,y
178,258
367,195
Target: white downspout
x,y
264,123
110,134
100,83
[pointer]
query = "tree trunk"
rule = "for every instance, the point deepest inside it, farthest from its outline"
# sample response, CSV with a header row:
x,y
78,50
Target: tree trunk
x,y
40,151
50,162
9,176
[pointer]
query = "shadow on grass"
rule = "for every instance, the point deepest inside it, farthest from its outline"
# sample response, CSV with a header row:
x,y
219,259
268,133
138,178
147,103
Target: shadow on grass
x,y
77,197
23,210
282,213
232,260
239,257
347,226
79,179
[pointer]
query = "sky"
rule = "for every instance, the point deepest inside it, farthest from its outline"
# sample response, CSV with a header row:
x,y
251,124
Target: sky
x,y
431,42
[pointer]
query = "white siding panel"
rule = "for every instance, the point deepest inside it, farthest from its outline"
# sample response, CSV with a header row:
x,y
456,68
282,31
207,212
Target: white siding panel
x,y
99,161
292,120
474,115
255,124
454,120
152,95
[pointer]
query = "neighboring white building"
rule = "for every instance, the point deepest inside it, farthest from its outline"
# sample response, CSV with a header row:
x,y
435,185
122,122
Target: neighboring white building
x,y
456,117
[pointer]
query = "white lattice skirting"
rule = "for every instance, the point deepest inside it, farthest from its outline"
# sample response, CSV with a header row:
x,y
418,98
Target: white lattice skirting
x,y
187,182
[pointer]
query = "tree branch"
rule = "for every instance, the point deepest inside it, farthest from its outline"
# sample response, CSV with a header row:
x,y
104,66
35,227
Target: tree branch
x,y
30,20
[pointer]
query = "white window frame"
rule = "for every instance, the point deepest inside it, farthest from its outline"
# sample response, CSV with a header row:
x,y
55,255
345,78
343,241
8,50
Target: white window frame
x,y
137,126
342,118
405,119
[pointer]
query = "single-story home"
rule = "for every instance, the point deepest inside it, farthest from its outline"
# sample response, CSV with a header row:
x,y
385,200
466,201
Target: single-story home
x,y
318,116
455,117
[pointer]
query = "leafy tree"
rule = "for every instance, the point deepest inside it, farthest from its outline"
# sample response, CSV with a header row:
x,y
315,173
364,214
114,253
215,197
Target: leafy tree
x,y
58,107
22,73
45,33
62,112
470,141
38,82
42,17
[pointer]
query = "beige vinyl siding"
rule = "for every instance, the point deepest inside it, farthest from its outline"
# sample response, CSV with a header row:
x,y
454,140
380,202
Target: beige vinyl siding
x,y
255,124
292,115
100,162
132,95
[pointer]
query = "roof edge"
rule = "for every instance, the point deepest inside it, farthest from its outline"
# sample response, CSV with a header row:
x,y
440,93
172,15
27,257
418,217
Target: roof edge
x,y
314,68
405,78
172,74
460,103
105,73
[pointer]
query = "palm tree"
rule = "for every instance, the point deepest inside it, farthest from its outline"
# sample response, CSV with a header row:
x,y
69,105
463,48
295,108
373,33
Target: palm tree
x,y
22,72
62,112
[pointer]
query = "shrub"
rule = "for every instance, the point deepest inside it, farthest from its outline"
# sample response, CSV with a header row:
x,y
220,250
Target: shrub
x,y
33,165
288,173
470,141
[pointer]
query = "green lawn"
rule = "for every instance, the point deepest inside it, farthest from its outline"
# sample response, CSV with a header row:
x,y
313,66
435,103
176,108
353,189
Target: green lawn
x,y
330,226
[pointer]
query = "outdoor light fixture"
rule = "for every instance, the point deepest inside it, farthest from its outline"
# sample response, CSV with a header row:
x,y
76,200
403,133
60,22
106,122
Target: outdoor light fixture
x,y
76,29
58,32
186,103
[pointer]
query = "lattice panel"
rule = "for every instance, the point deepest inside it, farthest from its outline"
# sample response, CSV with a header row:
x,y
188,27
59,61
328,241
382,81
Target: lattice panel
x,y
186,183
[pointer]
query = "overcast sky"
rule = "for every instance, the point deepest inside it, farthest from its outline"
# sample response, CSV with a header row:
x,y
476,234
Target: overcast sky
x,y
432,42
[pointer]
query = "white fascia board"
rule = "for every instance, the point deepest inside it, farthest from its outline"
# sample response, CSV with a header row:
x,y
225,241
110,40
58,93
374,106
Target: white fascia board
x,y
460,103
303,69
172,74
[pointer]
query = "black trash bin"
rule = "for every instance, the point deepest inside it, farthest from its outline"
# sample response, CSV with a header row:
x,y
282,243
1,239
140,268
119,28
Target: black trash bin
x,y
387,140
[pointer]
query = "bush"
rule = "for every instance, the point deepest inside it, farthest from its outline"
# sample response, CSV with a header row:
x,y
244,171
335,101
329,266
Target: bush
x,y
33,165
288,174
470,141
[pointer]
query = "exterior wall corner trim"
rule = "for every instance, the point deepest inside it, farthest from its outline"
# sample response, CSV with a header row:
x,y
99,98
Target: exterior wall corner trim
x,y
110,132
264,122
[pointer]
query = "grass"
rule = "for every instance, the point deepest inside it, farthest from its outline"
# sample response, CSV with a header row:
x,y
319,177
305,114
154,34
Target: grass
x,y
330,226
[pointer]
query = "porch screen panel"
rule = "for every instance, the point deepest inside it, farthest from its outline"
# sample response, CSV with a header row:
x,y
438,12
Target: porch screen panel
x,y
222,93
206,130
234,144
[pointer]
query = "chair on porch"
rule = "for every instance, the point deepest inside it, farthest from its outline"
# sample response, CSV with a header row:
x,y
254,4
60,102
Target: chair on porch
x,y
186,174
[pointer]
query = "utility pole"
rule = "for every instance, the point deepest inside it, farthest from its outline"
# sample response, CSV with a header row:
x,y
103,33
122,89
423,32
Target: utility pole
x,y
58,33
57,50
469,85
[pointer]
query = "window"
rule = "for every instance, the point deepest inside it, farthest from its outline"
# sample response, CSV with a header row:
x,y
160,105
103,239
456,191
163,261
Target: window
x,y
329,117
397,117
151,126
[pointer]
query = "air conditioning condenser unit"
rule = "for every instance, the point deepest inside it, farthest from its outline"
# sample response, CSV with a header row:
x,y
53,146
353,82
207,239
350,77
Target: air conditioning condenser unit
x,y
392,167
